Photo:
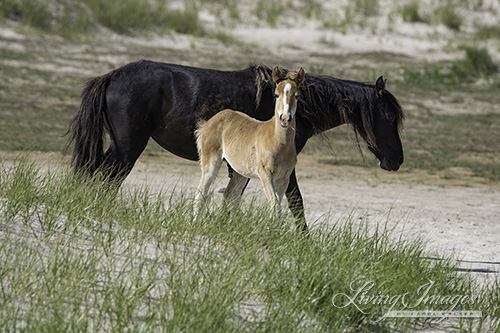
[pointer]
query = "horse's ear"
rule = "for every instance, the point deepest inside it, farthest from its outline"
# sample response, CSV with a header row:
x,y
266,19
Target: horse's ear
x,y
300,76
380,86
277,77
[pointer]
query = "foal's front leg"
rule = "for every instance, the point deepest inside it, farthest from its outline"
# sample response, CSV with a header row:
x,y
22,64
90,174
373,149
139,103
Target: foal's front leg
x,y
267,180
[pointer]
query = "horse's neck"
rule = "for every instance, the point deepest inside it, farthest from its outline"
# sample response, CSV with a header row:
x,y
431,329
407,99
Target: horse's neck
x,y
341,99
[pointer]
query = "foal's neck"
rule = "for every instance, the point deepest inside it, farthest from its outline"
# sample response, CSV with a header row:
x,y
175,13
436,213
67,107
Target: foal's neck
x,y
283,135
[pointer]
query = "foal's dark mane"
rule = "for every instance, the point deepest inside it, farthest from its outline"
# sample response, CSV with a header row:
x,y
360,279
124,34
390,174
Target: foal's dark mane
x,y
327,102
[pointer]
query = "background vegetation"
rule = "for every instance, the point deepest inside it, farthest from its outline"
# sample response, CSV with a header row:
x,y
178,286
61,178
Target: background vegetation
x,y
72,18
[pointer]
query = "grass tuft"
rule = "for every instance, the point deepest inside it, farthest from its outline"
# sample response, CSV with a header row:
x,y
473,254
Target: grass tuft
x,y
366,7
411,13
488,32
450,18
479,61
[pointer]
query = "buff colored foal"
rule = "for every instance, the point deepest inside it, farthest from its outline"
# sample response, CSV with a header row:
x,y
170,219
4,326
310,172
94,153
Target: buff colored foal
x,y
253,148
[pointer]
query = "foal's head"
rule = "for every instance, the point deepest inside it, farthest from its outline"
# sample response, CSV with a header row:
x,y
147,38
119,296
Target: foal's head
x,y
287,92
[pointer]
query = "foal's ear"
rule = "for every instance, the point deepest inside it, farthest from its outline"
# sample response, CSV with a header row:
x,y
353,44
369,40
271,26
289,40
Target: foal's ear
x,y
380,86
277,77
300,76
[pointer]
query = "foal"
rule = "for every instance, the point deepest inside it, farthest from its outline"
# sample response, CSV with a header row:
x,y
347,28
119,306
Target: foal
x,y
253,148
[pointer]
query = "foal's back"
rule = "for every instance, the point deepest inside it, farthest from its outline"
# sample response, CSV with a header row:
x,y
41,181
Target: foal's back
x,y
234,136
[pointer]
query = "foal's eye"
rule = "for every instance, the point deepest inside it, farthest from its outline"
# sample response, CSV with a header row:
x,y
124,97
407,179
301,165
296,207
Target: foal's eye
x,y
276,96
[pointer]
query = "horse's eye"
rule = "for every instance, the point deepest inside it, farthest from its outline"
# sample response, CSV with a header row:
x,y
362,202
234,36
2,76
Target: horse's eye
x,y
276,96
391,117
297,96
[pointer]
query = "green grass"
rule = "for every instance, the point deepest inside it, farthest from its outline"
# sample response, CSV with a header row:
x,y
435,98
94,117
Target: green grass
x,y
449,17
411,13
366,7
131,15
477,63
269,11
71,18
284,12
33,13
488,32
478,60
75,257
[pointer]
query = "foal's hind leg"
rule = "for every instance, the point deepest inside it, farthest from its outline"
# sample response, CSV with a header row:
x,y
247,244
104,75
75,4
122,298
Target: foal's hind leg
x,y
210,166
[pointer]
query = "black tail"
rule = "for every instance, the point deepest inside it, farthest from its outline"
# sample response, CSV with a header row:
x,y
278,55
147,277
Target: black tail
x,y
87,128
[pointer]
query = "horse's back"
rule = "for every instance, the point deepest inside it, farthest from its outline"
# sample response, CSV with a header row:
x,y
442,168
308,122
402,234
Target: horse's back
x,y
164,101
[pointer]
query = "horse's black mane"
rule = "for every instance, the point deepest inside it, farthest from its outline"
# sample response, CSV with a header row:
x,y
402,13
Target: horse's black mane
x,y
263,79
327,102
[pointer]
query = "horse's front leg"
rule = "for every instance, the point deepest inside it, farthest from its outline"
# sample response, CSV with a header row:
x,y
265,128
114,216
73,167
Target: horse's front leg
x,y
296,203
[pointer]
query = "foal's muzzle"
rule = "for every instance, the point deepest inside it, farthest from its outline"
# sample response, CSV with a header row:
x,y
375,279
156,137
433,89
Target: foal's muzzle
x,y
285,122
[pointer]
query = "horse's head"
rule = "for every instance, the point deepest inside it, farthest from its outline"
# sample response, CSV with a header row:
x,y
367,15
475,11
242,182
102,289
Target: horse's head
x,y
383,139
286,93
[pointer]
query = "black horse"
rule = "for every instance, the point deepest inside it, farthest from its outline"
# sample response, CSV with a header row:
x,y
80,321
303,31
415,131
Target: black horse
x,y
165,101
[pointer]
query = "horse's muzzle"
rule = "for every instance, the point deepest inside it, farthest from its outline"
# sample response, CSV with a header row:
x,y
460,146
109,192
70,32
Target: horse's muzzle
x,y
391,165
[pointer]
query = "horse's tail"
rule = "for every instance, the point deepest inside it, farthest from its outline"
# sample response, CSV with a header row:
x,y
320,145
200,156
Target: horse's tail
x,y
87,127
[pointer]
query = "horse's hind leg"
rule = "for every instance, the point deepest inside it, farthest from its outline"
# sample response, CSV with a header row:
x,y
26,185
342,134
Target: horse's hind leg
x,y
126,145
130,122
295,203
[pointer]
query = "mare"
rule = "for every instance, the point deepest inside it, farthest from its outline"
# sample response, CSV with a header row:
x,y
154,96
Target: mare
x,y
253,148
163,101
